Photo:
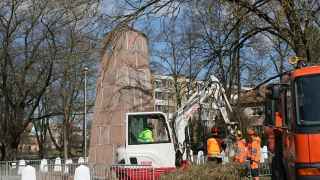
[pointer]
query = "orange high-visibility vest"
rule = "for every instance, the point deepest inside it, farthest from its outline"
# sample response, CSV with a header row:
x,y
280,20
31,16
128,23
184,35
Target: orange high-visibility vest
x,y
278,120
213,147
241,153
271,138
255,152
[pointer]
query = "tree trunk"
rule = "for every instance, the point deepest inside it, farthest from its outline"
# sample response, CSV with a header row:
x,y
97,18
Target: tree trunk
x,y
12,149
41,150
3,151
298,39
65,140
39,140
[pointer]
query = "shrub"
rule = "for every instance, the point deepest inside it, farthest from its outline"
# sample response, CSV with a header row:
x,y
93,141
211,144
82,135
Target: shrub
x,y
210,171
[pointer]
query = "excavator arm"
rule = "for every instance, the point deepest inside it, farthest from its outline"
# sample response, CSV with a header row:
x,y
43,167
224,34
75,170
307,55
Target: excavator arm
x,y
211,95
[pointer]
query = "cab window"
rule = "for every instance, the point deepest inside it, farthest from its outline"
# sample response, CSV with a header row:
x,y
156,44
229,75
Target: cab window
x,y
147,129
289,110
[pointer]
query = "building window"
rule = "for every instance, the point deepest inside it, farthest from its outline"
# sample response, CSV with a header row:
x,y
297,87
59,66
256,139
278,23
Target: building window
x,y
158,95
165,83
162,108
170,83
157,108
161,95
157,84
257,111
172,109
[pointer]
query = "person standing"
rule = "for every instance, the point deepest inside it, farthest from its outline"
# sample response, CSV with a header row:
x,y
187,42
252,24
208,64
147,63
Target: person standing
x,y
241,154
214,147
241,148
254,152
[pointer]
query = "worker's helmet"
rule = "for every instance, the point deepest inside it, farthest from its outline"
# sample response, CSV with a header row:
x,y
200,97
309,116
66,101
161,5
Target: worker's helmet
x,y
215,131
251,131
239,133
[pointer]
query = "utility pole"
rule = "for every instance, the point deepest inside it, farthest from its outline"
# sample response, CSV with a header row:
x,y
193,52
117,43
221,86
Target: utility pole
x,y
85,70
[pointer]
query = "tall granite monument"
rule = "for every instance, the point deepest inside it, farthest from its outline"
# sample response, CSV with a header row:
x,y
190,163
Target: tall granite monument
x,y
124,85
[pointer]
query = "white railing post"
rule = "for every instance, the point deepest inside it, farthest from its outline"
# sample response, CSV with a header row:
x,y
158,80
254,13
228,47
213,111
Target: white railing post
x,y
82,173
57,165
66,165
28,173
22,164
81,160
44,166
200,158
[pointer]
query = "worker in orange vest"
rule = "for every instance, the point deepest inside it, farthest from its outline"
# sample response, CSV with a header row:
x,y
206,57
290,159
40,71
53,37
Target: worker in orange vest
x,y
241,148
214,147
254,152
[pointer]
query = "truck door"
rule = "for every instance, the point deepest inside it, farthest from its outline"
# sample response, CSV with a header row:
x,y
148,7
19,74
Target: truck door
x,y
149,140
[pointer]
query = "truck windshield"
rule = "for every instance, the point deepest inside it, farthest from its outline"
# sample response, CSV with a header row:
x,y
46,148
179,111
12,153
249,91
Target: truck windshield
x,y
308,100
147,129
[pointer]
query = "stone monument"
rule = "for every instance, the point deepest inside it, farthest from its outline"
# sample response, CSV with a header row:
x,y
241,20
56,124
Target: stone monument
x,y
124,85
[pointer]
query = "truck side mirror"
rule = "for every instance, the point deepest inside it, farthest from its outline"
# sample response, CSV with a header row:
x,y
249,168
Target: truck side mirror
x,y
272,115
276,91
270,111
272,95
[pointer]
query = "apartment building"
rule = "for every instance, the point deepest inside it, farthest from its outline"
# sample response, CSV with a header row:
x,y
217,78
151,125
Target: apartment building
x,y
164,94
253,106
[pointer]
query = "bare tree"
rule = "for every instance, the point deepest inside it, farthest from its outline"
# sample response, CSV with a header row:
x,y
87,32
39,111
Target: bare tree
x,y
29,50
78,43
293,21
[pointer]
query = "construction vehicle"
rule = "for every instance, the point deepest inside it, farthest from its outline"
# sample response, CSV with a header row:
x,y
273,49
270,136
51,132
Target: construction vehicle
x,y
171,143
209,102
292,123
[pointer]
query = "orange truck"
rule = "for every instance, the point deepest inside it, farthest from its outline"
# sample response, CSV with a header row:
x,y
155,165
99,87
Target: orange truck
x,y
292,124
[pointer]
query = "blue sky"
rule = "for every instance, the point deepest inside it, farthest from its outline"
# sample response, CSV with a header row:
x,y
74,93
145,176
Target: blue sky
x,y
144,24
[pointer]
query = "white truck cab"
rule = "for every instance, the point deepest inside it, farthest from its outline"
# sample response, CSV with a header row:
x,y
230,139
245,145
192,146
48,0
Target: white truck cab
x,y
158,153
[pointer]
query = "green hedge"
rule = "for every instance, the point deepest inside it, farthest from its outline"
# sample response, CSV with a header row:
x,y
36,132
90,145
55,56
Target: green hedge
x,y
209,171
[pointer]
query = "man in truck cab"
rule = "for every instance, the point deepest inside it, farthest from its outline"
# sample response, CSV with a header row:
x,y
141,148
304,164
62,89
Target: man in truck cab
x,y
254,152
146,135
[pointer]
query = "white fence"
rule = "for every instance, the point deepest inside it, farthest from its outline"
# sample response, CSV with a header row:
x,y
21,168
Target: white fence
x,y
103,172
60,170
12,170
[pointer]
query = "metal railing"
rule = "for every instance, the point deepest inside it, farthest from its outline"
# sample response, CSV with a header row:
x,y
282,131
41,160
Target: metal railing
x,y
101,172
264,169
125,172
9,170
12,169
